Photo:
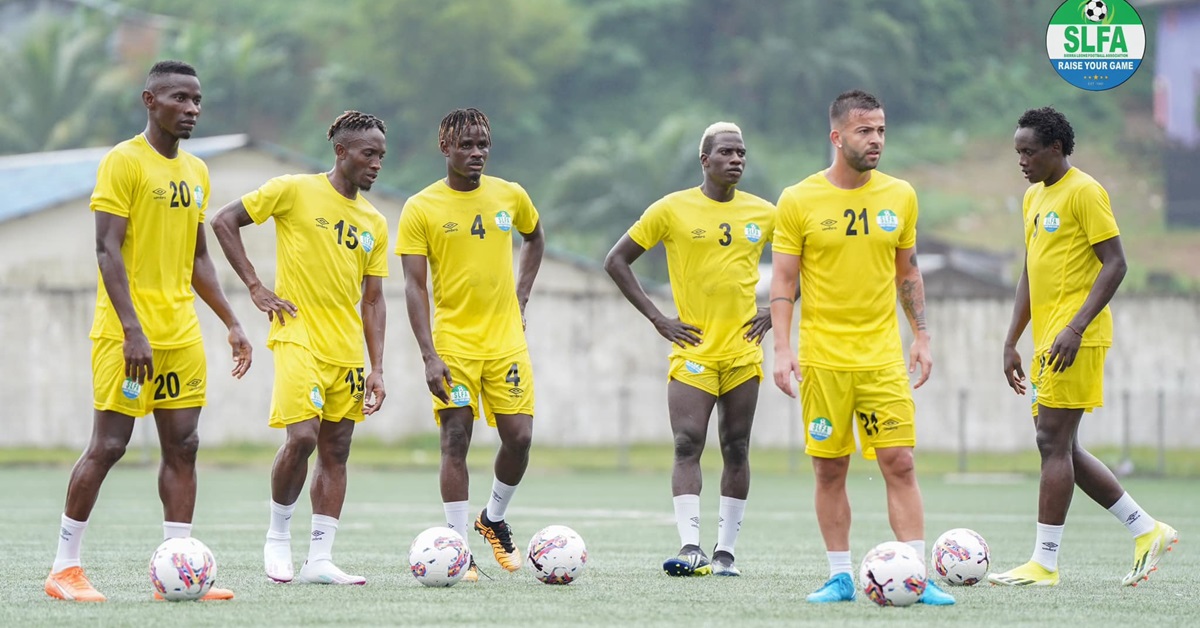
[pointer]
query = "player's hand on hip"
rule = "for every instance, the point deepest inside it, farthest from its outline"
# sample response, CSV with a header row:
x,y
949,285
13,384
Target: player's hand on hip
x,y
786,370
758,326
375,393
437,377
1013,371
678,332
242,351
920,356
1063,351
139,357
267,301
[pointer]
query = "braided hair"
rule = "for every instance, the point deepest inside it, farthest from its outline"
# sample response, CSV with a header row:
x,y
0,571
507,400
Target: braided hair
x,y
458,121
351,121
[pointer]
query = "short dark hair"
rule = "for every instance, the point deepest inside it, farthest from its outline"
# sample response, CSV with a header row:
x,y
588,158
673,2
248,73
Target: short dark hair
x,y
849,101
1049,124
354,121
458,121
171,67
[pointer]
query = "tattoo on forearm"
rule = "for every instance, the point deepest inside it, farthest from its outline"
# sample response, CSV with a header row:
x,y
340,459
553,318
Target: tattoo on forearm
x,y
913,260
912,299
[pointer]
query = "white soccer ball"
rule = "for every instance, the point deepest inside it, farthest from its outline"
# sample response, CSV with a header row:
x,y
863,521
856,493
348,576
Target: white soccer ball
x,y
1095,10
961,557
557,555
892,574
182,569
439,557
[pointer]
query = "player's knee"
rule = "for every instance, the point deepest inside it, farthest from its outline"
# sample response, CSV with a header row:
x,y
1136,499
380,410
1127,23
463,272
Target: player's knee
x,y
830,471
335,452
301,443
898,464
688,446
182,451
454,443
107,451
1052,444
518,440
736,451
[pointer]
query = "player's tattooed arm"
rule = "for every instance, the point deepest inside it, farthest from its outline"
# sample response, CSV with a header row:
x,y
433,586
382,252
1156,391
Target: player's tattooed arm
x,y
912,299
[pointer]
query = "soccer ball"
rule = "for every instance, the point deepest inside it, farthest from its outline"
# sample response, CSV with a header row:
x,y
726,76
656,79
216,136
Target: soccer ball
x,y
439,557
892,574
182,569
960,556
557,555
1095,10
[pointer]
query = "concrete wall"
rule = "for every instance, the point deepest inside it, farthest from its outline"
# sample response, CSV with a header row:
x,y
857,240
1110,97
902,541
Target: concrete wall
x,y
599,366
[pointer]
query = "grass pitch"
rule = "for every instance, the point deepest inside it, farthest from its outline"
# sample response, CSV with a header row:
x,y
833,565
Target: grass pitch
x,y
626,520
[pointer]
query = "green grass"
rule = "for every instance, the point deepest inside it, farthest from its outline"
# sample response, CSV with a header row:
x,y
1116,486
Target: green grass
x,y
421,453
625,519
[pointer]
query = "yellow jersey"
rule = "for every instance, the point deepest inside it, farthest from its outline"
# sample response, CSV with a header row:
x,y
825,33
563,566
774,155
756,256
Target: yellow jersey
x,y
847,242
325,244
468,239
164,201
1062,223
713,250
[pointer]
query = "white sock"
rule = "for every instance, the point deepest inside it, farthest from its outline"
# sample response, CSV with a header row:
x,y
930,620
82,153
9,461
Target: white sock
x,y
281,522
839,562
1136,520
70,538
1049,540
176,530
918,545
687,519
458,516
320,546
729,522
498,504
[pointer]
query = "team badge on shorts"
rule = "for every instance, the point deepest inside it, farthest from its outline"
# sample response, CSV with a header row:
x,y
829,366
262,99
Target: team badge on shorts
x,y
460,396
131,389
693,367
315,397
820,428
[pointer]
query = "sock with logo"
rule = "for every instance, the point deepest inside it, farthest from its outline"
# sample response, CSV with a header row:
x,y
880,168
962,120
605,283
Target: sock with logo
x,y
458,516
1049,540
70,538
498,505
176,530
687,519
729,522
281,522
324,529
1136,520
839,562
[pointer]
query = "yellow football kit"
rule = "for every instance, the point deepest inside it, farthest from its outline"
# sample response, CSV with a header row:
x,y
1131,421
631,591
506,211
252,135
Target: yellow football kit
x,y
325,245
467,238
849,352
1062,223
713,250
164,201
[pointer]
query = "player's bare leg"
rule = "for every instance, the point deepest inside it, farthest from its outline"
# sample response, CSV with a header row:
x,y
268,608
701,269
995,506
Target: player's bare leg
x,y
690,409
288,474
111,432
832,505
455,429
735,417
179,439
906,512
328,493
516,435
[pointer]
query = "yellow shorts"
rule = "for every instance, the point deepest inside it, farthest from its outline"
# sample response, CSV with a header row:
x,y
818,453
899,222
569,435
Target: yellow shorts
x,y
1081,386
178,382
719,376
506,385
307,387
878,404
